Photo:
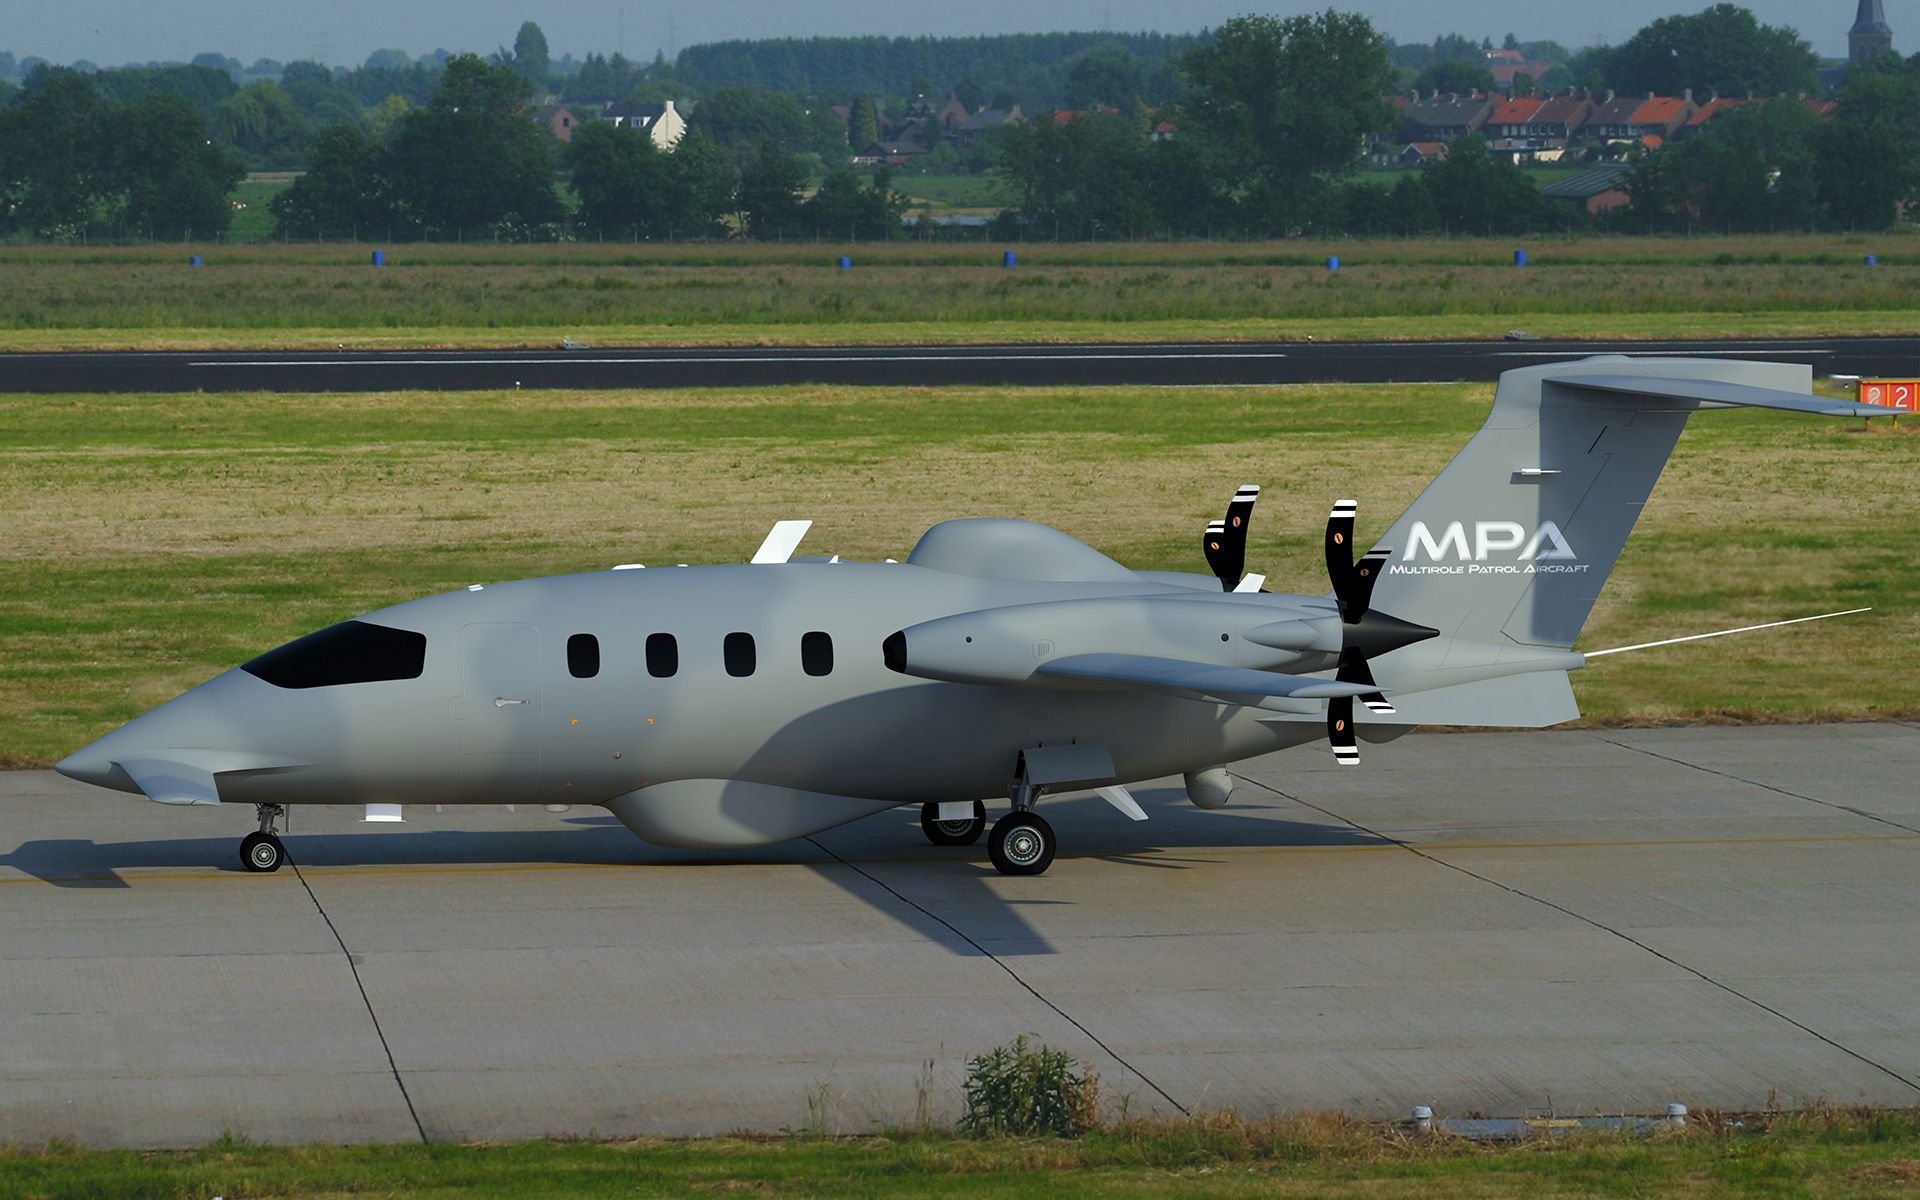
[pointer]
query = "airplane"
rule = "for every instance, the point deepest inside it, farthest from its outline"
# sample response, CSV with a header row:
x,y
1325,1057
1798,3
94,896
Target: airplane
x,y
741,705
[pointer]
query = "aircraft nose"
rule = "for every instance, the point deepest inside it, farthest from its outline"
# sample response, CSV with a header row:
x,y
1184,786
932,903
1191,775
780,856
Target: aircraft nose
x,y
183,723
89,764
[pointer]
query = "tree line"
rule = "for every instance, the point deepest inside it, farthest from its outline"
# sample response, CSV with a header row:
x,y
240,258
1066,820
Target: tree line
x,y
1268,126
1268,143
469,164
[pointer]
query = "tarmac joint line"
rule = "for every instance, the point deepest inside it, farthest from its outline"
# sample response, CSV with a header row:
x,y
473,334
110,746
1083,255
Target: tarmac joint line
x,y
353,965
1779,791
997,961
1602,926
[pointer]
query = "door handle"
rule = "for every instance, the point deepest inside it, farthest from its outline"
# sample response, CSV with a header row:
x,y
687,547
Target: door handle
x,y
503,701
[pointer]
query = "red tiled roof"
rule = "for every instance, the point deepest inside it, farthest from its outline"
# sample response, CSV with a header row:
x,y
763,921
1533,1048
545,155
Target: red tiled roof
x,y
1651,141
1516,112
1711,109
1659,110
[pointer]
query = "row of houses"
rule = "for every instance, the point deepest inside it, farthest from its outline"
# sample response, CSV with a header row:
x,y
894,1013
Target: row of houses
x,y
1594,126
924,126
662,122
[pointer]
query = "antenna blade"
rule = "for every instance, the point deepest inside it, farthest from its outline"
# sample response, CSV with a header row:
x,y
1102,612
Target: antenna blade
x,y
782,540
1697,637
1123,800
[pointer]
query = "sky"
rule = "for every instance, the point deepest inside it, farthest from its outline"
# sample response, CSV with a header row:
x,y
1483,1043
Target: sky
x,y
109,32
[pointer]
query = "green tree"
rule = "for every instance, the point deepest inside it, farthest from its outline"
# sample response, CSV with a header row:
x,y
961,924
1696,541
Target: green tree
x,y
769,194
823,134
342,191
1455,76
52,154
1287,103
1869,157
1109,76
1722,48
172,180
1523,86
842,206
863,123
263,123
1474,192
386,116
704,181
622,180
470,160
743,119
530,54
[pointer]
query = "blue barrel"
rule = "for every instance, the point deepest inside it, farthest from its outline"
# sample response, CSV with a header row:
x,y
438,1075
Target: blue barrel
x,y
379,258
1519,258
844,263
1873,260
1007,259
1333,262
194,261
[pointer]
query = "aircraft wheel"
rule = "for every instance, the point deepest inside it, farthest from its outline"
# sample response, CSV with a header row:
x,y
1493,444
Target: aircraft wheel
x,y
953,833
1021,844
262,852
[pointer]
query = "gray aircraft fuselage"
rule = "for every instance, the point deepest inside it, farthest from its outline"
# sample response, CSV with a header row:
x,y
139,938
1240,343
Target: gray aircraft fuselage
x,y
496,717
1003,658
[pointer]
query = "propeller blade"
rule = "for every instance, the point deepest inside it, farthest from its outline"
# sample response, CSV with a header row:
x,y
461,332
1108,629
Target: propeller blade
x,y
1364,577
1213,544
1226,539
1346,750
1340,555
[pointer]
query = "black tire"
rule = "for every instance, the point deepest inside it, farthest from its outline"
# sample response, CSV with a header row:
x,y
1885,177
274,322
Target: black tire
x,y
1021,844
953,833
262,852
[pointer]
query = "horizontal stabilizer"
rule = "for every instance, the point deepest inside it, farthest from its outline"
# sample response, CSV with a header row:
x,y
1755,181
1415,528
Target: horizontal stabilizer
x,y
1711,392
1531,701
1197,680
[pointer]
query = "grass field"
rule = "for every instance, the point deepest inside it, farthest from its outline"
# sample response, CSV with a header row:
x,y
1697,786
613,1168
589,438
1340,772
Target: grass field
x,y
154,541
613,294
1848,1154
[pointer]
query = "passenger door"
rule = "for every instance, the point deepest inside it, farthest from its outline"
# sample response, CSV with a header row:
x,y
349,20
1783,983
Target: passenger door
x,y
500,711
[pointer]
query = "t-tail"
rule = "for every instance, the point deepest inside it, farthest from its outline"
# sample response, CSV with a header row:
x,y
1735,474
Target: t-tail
x,y
1507,549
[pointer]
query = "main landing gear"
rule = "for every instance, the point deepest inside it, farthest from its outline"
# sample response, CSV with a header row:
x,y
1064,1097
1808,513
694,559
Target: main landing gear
x,y
964,832
1022,842
262,851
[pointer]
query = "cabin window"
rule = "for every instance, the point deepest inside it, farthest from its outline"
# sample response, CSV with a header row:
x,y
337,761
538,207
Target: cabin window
x,y
739,654
663,655
350,652
816,653
583,656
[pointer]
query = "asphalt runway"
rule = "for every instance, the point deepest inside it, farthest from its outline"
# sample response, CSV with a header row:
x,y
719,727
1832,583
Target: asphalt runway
x,y
1195,364
1499,923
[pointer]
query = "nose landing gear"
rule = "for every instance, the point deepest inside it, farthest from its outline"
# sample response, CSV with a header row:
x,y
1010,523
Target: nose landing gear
x,y
262,851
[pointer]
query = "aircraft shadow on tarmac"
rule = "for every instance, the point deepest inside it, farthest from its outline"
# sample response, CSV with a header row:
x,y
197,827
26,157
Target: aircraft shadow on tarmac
x,y
882,861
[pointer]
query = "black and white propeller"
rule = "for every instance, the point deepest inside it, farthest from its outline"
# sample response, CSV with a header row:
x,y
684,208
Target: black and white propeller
x,y
1364,633
1225,543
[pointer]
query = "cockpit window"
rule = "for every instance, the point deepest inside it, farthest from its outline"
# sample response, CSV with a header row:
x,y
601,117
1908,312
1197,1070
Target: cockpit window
x,y
350,652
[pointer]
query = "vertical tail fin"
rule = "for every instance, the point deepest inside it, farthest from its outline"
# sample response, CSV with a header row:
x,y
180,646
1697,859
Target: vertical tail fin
x,y
1513,540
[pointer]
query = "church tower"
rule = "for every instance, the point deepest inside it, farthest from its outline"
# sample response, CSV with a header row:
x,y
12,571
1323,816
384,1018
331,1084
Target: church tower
x,y
1870,36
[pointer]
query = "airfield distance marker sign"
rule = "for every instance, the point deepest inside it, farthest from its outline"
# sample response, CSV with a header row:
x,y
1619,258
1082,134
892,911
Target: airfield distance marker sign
x,y
1899,395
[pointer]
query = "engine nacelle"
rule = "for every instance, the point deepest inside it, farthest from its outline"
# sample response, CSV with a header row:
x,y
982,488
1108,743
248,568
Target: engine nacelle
x,y
1007,645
